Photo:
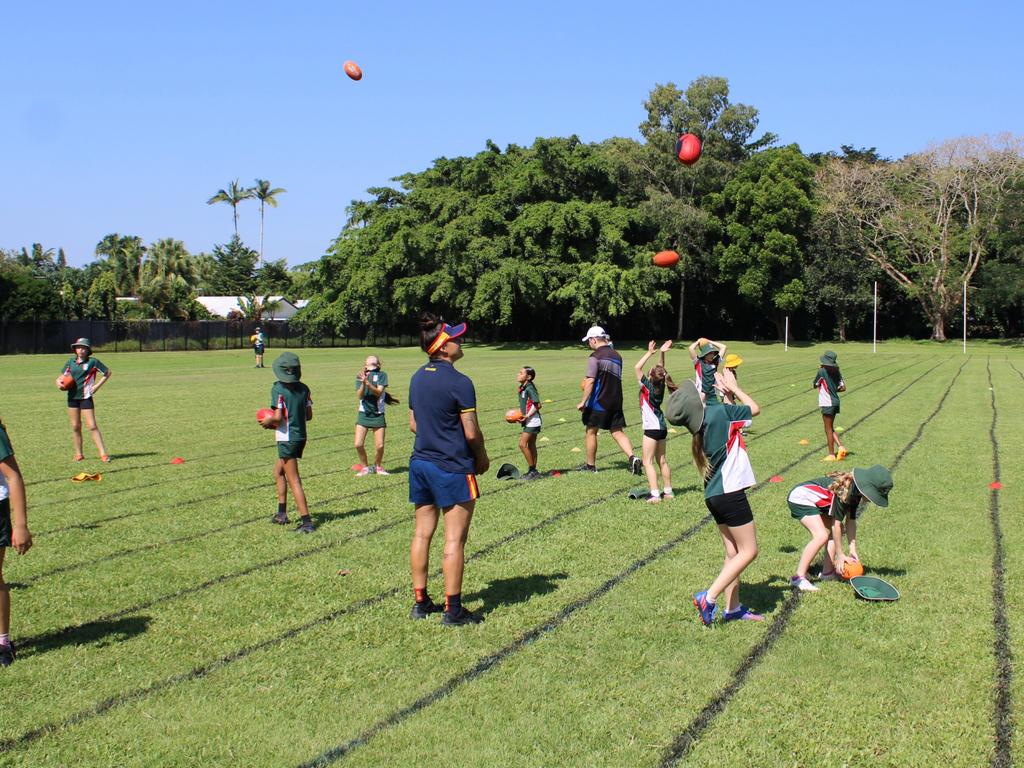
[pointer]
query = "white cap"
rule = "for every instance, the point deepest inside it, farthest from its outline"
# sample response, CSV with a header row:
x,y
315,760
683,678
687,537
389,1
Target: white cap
x,y
595,332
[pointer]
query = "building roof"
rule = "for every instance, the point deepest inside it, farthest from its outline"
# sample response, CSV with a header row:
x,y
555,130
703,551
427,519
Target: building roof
x,y
221,306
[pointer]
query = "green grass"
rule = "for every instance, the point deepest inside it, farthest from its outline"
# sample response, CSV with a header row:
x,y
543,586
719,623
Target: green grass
x,y
165,622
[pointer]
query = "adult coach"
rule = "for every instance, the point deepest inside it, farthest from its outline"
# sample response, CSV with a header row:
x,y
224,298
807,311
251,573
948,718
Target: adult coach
x,y
447,455
602,400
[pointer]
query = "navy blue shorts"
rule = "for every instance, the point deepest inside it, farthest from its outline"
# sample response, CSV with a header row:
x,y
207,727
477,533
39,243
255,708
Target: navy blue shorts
x,y
429,484
82,405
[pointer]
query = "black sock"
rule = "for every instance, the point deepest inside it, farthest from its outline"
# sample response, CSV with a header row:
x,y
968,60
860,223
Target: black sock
x,y
282,507
453,604
305,519
533,468
420,595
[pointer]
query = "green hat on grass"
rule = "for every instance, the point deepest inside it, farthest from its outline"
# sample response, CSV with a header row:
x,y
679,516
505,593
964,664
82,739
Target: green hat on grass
x,y
874,484
287,368
509,472
829,358
685,407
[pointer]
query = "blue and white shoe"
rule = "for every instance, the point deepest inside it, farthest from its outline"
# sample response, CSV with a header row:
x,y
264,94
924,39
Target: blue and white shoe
x,y
707,610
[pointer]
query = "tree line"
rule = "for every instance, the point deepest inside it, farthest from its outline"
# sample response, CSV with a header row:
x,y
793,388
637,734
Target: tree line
x,y
533,242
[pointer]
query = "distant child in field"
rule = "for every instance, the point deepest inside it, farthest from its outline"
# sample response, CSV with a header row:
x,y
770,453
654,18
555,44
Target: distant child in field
x,y
653,387
84,369
293,407
371,389
829,383
259,344
529,406
726,377
706,356
829,506
721,460
13,533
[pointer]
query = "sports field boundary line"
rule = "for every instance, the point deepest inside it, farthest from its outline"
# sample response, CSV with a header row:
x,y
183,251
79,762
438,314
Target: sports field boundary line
x,y
1002,715
496,658
683,743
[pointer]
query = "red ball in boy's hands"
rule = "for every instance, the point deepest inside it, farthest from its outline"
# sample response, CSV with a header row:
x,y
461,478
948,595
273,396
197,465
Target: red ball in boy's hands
x,y
852,568
264,413
65,382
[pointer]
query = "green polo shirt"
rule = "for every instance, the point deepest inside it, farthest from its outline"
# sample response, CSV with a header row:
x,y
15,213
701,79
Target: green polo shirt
x,y
371,406
831,384
293,400
85,375
725,449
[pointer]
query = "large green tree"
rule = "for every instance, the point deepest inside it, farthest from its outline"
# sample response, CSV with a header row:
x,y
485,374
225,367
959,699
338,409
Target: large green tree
x,y
234,269
124,254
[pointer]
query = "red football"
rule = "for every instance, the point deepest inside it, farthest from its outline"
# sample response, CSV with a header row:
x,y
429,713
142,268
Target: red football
x,y
688,149
67,383
666,259
264,413
352,70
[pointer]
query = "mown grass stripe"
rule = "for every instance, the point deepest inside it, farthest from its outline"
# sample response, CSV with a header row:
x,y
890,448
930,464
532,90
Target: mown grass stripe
x,y
683,743
493,660
1002,756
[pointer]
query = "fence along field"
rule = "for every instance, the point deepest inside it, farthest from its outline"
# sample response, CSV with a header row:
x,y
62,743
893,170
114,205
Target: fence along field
x,y
168,609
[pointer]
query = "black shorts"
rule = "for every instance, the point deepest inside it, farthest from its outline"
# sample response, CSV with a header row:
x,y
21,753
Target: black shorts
x,y
5,523
258,350
604,419
656,434
731,509
82,405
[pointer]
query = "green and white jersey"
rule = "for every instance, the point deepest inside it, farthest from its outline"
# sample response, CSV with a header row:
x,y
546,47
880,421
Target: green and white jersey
x,y
84,374
528,398
725,449
5,450
371,405
651,398
292,399
827,385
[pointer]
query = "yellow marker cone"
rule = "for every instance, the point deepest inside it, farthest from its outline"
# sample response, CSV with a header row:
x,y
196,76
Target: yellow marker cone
x,y
574,450
543,439
548,400
560,419
840,429
805,442
673,431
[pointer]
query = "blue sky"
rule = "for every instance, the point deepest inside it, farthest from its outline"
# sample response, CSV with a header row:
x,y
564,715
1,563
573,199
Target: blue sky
x,y
126,117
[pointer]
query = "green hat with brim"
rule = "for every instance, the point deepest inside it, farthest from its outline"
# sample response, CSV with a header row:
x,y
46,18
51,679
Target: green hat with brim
x,y
874,484
509,472
829,358
82,342
287,368
707,349
685,408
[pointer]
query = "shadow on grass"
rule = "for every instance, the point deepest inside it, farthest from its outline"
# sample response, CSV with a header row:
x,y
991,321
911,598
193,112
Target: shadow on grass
x,y
132,455
764,596
788,549
330,517
517,589
875,570
98,634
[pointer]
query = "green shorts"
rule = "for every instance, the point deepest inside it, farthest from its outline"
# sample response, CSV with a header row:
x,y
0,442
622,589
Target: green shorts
x,y
5,523
800,511
531,430
291,449
370,422
830,410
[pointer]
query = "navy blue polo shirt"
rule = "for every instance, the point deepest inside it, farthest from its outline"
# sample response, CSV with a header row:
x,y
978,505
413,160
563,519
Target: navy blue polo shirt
x,y
438,396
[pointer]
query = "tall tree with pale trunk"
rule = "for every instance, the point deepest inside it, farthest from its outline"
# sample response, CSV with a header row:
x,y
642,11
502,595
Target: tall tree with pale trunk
x,y
267,196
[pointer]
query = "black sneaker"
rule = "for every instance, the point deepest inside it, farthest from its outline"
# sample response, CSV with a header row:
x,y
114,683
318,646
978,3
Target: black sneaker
x,y
305,527
280,518
464,616
422,610
586,468
636,466
7,654
533,474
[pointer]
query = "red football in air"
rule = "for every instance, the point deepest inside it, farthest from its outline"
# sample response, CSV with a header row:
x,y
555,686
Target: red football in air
x,y
352,70
263,413
666,259
688,149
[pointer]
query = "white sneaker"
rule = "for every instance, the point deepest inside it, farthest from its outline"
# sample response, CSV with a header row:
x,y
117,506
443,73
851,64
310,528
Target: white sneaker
x,y
801,583
829,576
364,472
381,471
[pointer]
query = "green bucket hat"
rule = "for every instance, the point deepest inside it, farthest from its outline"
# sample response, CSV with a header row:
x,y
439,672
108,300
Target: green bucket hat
x,y
82,342
509,472
874,484
685,408
707,349
829,358
287,368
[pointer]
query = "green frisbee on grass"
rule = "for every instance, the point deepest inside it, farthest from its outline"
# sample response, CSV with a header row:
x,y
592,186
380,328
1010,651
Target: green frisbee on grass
x,y
874,588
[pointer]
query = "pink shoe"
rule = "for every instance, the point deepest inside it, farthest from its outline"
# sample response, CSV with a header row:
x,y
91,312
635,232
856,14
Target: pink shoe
x,y
380,470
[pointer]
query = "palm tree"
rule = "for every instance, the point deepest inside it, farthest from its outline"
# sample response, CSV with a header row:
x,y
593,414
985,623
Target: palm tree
x,y
167,278
124,258
265,194
233,195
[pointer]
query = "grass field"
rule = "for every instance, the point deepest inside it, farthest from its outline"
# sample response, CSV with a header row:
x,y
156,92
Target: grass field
x,y
163,621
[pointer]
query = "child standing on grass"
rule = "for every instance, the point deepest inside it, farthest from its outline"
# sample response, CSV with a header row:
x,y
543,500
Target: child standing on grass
x,y
829,506
529,406
293,407
13,533
722,461
259,344
829,383
371,389
706,355
652,393
84,370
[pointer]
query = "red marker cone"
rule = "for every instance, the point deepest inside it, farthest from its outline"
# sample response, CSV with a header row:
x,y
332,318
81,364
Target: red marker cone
x,y
995,486
775,479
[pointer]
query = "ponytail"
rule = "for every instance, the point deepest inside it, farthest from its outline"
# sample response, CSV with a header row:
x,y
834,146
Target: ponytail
x,y
700,459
